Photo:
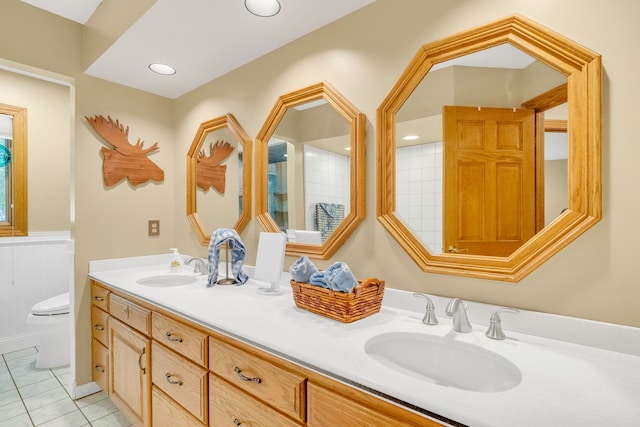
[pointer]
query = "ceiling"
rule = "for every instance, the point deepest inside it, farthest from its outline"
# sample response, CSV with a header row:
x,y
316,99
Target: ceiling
x,y
201,39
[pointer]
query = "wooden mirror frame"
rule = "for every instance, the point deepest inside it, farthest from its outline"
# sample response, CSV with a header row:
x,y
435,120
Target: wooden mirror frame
x,y
192,159
356,214
583,70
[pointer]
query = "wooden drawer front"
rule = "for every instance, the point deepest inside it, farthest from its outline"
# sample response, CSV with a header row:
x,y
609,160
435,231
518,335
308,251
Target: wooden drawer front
x,y
328,409
230,406
276,386
180,379
99,296
167,413
99,325
100,364
130,313
183,339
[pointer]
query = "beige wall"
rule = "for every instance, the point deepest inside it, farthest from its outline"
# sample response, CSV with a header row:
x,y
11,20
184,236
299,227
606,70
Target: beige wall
x,y
361,56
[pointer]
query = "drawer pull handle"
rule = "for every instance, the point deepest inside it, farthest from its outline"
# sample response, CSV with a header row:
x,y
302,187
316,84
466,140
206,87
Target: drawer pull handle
x,y
98,327
98,298
236,422
140,362
170,380
98,368
245,378
172,339
125,311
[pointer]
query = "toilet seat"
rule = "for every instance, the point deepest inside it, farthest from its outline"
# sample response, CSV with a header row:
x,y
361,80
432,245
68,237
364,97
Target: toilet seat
x,y
52,306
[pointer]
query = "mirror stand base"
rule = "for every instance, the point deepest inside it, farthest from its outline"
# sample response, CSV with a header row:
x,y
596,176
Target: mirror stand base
x,y
272,291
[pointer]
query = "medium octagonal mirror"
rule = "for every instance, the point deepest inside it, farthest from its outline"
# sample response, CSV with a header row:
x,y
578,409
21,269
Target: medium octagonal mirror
x,y
489,150
219,177
310,170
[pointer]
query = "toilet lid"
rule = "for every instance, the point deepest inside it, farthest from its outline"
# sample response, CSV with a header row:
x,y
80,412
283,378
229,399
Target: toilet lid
x,y
55,305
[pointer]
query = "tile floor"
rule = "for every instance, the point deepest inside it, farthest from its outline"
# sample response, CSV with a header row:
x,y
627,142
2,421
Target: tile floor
x,y
40,397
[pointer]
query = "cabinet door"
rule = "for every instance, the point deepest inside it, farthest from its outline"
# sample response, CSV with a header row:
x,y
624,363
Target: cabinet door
x,y
129,376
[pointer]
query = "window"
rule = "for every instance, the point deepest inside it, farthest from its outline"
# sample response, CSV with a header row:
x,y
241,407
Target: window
x,y
13,171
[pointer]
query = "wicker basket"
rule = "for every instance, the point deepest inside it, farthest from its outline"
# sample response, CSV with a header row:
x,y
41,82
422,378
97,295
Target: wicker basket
x,y
363,301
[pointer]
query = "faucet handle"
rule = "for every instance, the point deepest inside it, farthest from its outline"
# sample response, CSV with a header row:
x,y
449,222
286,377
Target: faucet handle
x,y
429,315
495,323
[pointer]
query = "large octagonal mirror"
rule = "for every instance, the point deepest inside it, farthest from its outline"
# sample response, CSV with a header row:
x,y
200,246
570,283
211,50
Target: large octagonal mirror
x,y
219,177
310,170
490,150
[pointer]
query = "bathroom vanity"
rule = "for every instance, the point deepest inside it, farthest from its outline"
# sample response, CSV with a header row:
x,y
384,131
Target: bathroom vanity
x,y
222,356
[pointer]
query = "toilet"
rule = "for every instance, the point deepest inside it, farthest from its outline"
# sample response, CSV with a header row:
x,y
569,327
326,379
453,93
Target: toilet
x,y
51,320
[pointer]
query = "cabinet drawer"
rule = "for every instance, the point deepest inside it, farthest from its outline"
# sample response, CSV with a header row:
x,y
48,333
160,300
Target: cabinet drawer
x,y
99,364
99,296
99,325
230,406
328,409
278,387
130,313
167,413
180,379
181,338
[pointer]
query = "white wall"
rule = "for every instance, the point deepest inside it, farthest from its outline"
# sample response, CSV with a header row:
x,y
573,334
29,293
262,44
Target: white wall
x,y
419,191
326,180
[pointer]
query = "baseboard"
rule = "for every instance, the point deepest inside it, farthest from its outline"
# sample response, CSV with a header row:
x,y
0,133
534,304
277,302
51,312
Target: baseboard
x,y
80,391
18,342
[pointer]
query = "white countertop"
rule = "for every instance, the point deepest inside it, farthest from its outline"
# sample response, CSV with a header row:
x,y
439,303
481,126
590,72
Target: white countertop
x,y
563,384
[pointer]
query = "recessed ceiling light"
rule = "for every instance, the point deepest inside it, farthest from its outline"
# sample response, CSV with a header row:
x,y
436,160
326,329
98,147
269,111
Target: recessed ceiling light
x,y
263,8
162,69
410,137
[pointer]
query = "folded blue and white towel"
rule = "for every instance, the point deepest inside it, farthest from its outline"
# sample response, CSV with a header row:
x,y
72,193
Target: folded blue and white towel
x,y
302,269
236,247
338,277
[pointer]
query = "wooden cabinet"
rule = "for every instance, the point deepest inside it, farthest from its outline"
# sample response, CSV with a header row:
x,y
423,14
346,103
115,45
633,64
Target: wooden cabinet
x,y
164,370
129,376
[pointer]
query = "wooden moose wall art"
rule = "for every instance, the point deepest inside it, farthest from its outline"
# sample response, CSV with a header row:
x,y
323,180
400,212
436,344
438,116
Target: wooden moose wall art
x,y
209,170
125,160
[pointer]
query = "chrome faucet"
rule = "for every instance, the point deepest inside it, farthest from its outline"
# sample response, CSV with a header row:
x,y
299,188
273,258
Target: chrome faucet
x,y
429,315
200,267
495,324
458,310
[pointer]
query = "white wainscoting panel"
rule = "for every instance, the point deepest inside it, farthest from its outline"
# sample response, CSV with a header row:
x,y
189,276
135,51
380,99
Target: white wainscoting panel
x,y
32,269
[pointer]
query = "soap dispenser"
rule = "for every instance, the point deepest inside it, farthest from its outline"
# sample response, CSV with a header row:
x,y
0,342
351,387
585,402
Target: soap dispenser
x,y
176,261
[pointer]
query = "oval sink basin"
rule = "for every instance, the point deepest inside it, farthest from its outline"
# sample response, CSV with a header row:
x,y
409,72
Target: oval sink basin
x,y
444,361
167,280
